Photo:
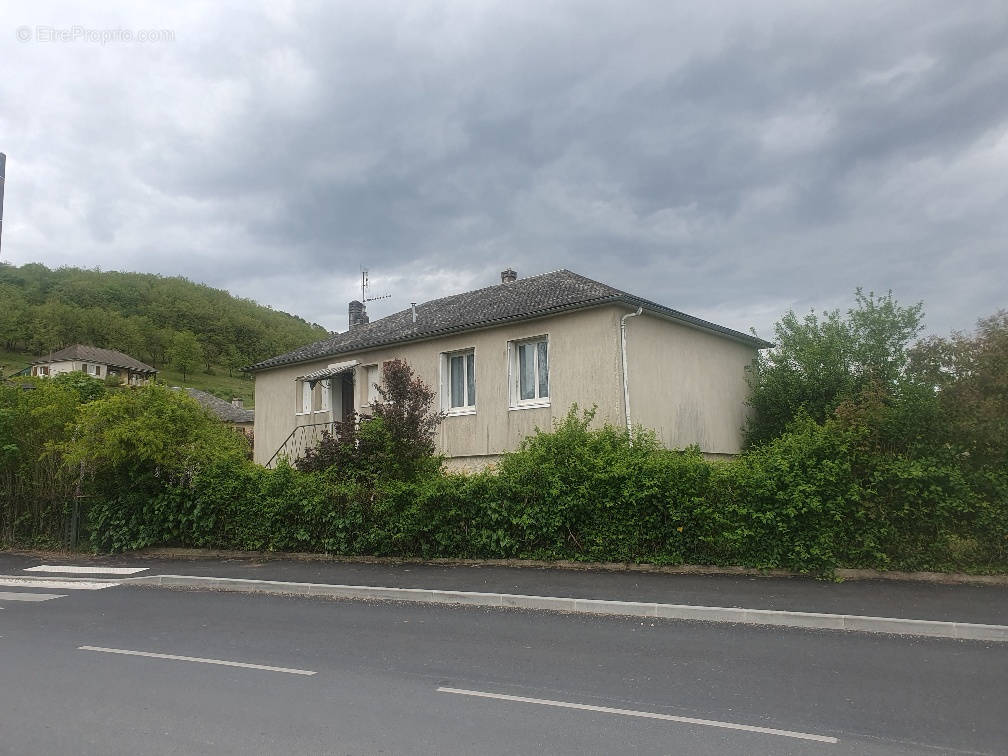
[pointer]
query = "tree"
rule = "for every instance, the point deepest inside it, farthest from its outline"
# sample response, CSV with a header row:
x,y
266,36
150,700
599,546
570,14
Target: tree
x,y
233,359
405,408
88,389
12,316
151,430
137,313
819,362
395,443
185,352
969,373
35,484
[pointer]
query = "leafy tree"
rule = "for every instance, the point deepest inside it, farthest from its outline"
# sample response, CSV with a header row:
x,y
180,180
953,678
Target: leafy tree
x,y
406,408
396,442
13,316
185,352
969,373
88,389
232,359
138,314
151,430
821,361
35,484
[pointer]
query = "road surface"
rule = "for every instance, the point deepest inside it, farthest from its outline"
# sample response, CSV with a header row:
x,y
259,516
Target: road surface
x,y
119,669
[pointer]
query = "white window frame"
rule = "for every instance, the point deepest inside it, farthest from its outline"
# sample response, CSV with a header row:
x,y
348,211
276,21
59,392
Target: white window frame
x,y
303,396
470,407
515,402
325,400
371,394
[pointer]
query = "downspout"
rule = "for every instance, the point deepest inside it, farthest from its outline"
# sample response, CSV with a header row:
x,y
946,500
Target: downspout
x,y
626,377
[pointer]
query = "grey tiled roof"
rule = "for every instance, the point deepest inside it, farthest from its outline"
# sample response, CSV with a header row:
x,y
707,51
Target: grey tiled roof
x,y
526,298
224,410
98,355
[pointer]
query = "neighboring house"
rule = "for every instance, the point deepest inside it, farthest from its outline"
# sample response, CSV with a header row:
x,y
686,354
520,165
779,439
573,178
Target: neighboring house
x,y
510,358
233,413
96,362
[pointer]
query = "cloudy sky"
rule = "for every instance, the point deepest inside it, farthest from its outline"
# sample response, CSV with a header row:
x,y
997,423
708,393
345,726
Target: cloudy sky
x,y
727,159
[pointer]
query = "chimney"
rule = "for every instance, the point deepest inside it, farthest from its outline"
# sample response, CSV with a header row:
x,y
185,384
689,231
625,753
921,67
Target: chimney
x,y
236,401
508,276
357,315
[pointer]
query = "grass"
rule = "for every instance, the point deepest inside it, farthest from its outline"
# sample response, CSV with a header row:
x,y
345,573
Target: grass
x,y
219,384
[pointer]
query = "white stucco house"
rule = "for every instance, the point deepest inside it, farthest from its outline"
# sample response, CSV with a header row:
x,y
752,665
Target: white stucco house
x,y
512,357
96,362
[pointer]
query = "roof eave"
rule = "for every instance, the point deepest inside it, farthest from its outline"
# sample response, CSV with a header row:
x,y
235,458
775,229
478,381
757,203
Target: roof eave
x,y
437,333
631,301
695,322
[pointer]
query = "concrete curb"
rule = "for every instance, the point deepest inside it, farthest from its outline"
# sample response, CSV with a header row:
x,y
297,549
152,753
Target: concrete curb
x,y
949,578
808,620
944,578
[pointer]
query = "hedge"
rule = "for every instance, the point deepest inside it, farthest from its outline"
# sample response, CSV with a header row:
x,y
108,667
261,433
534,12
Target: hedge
x,y
815,499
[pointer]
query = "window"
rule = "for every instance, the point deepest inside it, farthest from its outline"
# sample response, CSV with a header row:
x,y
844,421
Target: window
x,y
371,373
326,402
305,398
529,366
458,376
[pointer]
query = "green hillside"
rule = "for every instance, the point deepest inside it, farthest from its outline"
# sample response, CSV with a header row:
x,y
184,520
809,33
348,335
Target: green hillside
x,y
194,334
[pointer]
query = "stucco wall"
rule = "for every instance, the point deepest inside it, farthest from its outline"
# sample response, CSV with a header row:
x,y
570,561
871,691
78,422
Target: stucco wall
x,y
76,366
69,366
584,368
687,384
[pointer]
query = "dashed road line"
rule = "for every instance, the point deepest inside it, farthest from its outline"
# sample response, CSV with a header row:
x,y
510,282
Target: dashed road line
x,y
175,657
644,714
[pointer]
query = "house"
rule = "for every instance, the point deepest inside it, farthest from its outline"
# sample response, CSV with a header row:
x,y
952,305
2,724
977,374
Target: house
x,y
96,362
232,413
513,357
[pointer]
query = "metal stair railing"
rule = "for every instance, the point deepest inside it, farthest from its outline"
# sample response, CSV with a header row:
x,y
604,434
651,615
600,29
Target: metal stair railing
x,y
302,438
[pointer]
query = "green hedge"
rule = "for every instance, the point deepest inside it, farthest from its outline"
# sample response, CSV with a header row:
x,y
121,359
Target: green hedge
x,y
815,499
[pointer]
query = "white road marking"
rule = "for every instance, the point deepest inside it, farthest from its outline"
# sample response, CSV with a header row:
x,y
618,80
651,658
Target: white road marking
x,y
644,714
175,657
71,569
10,596
73,585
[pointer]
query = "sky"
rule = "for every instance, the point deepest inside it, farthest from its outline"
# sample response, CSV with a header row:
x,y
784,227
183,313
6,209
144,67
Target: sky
x,y
732,160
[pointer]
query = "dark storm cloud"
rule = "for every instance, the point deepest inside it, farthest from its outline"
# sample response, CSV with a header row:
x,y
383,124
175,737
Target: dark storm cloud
x,y
729,161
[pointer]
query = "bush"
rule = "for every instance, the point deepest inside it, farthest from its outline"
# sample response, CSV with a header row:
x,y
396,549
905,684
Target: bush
x,y
577,493
36,486
135,449
88,389
821,496
396,443
163,432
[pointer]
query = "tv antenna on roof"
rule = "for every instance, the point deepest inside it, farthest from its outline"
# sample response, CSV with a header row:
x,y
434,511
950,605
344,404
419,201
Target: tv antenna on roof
x,y
364,289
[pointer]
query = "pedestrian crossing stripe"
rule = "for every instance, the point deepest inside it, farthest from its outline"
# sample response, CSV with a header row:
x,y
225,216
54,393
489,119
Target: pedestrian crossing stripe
x,y
73,585
11,596
73,569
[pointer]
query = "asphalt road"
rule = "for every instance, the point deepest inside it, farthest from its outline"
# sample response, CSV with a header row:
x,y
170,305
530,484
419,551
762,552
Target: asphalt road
x,y
378,668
